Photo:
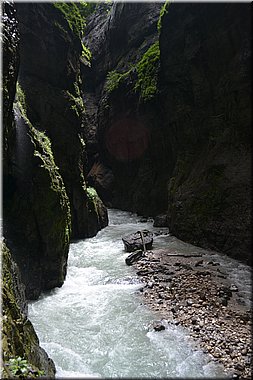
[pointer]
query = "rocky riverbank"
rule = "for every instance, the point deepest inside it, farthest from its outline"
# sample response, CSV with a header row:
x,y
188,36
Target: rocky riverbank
x,y
196,293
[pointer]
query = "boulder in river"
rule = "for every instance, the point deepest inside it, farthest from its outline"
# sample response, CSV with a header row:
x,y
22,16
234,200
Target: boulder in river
x,y
161,221
138,240
158,326
135,256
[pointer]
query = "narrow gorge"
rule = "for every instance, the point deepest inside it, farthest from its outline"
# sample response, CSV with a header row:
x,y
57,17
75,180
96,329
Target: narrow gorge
x,y
121,117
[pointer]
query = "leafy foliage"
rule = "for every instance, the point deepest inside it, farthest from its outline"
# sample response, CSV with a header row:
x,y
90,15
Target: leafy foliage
x,y
147,69
20,368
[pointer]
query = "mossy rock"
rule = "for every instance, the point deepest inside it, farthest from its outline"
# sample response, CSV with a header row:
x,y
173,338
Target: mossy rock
x,y
36,209
18,335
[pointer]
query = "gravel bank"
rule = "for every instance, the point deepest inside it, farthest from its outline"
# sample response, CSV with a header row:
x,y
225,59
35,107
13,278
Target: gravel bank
x,y
197,294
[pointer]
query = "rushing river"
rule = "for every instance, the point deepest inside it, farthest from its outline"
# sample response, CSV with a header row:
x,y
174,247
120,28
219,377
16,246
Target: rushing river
x,y
95,324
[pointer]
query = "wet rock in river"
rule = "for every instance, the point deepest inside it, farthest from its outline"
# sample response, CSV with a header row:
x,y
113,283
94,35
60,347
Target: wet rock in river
x,y
158,326
161,221
135,256
135,242
233,288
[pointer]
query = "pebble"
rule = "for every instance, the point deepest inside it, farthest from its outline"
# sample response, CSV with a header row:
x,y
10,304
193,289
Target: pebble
x,y
233,288
200,303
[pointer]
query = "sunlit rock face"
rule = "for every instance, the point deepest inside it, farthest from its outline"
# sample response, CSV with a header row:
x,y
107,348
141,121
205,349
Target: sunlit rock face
x,y
205,82
50,76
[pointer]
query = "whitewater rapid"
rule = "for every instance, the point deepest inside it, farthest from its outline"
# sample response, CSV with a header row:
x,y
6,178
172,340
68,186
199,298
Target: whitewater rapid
x,y
95,324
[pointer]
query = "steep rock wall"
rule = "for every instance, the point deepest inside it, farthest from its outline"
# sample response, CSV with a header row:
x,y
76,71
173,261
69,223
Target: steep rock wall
x,y
50,76
36,217
130,176
205,87
178,144
19,340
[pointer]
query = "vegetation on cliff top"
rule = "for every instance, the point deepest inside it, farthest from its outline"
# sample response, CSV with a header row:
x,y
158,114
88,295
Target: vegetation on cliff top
x,y
76,13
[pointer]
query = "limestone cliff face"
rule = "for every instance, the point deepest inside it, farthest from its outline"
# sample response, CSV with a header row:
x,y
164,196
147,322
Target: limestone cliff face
x,y
9,77
35,204
50,77
126,168
205,87
19,339
172,129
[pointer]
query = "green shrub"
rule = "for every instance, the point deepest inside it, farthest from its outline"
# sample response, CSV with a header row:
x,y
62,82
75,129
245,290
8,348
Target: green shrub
x,y
20,368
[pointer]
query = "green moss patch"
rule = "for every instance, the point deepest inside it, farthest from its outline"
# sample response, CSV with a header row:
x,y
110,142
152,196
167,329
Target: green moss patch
x,y
147,70
75,14
146,78
163,11
76,101
20,345
114,79
43,151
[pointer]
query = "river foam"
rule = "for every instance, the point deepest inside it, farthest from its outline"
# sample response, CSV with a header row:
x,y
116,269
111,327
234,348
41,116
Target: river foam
x,y
95,325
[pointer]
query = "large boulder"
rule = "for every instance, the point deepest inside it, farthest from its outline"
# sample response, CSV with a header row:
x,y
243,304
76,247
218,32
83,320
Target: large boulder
x,y
135,256
138,240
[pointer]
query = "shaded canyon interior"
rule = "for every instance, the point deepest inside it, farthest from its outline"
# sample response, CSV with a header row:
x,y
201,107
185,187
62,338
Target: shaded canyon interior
x,y
143,107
